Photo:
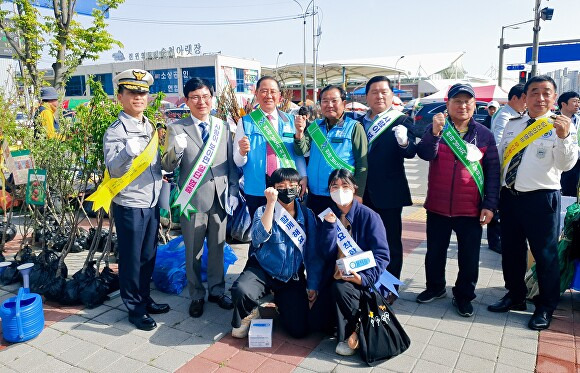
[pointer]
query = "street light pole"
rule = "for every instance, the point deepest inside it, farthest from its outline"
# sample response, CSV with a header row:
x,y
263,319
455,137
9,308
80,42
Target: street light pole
x,y
276,70
536,40
304,47
502,47
399,77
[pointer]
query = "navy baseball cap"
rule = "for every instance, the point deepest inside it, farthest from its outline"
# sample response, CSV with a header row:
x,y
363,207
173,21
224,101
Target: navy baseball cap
x,y
460,88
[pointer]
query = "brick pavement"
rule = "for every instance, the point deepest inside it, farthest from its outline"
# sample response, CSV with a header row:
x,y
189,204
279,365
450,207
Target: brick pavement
x,y
102,339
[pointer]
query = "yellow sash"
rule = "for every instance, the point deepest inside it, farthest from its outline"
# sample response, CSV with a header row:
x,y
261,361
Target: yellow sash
x,y
110,187
526,137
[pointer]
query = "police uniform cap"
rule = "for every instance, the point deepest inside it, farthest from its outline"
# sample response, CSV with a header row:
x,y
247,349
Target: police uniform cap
x,y
136,80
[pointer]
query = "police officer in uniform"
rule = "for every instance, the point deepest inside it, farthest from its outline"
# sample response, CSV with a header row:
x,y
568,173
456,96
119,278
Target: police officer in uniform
x,y
135,207
530,203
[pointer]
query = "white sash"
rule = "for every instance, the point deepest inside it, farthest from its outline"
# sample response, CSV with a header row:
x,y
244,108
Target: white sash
x,y
200,169
346,243
290,226
380,124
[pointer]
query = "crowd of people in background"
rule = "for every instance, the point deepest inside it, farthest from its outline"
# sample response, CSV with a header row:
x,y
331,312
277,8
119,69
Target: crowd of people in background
x,y
319,191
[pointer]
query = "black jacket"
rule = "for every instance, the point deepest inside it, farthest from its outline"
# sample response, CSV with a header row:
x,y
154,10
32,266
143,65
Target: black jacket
x,y
387,185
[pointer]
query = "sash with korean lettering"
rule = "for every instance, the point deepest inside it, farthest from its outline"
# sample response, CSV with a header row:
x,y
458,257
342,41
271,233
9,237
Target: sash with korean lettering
x,y
382,123
532,132
290,226
346,243
273,138
200,169
325,149
110,187
459,148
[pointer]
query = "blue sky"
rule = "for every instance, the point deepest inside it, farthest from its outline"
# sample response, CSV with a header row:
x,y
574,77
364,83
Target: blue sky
x,y
350,29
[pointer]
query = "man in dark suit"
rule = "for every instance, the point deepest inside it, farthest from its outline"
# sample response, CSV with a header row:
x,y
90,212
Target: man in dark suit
x,y
208,181
390,143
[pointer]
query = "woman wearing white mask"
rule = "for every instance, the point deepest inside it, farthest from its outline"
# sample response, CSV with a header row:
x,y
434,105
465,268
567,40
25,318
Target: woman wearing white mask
x,y
347,221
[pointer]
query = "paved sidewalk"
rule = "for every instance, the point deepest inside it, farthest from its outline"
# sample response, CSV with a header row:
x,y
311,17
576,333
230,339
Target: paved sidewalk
x,y
102,339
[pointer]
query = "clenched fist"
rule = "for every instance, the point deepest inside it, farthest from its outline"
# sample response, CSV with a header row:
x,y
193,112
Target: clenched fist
x,y
438,123
244,146
271,195
562,126
300,124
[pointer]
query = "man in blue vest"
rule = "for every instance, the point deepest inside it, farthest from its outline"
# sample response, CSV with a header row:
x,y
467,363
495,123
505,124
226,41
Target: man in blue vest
x,y
258,154
336,141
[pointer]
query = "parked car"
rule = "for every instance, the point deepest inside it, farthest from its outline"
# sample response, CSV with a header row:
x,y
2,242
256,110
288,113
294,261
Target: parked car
x,y
424,115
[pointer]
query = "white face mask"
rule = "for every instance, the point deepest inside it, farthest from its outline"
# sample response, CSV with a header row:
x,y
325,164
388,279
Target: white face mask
x,y
342,197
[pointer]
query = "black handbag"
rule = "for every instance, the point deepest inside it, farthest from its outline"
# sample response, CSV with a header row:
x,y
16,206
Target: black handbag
x,y
381,336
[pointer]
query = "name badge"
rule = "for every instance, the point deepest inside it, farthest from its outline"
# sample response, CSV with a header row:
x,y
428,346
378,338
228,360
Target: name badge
x,y
287,134
541,153
337,140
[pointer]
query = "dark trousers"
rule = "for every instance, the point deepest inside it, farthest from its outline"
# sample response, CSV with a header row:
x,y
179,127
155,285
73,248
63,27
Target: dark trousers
x,y
137,235
394,227
494,233
322,315
346,296
468,231
253,202
535,217
318,203
290,298
569,181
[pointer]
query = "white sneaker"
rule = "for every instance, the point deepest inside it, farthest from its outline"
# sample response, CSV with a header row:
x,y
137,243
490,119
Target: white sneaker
x,y
242,331
343,349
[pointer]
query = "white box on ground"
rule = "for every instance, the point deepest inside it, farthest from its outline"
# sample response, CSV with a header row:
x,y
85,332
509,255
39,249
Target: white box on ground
x,y
355,263
260,334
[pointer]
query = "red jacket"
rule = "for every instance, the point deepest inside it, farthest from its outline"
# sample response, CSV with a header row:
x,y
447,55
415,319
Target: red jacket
x,y
451,190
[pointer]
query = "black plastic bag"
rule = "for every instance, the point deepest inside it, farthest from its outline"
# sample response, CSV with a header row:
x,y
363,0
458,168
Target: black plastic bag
x,y
10,275
70,293
44,271
94,290
381,336
54,289
111,279
10,231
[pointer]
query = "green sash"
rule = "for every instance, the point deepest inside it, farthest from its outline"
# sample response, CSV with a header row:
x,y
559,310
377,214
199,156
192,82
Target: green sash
x,y
273,138
325,149
457,145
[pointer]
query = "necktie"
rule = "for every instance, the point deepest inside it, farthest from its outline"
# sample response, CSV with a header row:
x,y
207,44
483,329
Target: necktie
x,y
271,160
204,131
510,177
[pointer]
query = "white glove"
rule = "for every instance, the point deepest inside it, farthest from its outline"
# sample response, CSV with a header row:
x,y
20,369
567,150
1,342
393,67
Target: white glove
x,y
234,202
180,143
401,135
133,147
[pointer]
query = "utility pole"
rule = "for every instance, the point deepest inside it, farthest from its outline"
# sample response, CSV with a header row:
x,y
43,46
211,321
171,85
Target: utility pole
x,y
536,40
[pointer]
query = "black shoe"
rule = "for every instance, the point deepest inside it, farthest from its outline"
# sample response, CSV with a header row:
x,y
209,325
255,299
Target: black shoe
x,y
507,303
222,300
540,320
463,306
428,296
157,308
143,322
196,308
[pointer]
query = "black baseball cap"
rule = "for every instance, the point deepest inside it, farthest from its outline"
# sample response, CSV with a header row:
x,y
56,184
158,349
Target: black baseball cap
x,y
460,88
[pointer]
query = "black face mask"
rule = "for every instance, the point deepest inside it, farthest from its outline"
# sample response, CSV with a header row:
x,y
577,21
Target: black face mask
x,y
288,195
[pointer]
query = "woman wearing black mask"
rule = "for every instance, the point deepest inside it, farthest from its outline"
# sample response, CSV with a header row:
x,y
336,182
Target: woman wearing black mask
x,y
283,235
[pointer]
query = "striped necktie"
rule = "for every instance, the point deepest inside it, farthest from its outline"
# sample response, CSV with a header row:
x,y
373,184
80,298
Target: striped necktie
x,y
510,177
204,131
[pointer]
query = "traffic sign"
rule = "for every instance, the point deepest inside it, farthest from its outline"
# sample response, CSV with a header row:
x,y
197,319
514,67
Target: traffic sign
x,y
556,53
516,67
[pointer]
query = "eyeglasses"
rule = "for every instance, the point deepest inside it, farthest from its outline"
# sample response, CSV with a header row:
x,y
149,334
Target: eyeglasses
x,y
205,98
334,101
265,92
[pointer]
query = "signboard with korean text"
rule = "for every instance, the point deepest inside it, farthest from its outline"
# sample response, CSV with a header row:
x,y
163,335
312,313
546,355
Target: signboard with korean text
x,y
36,187
18,163
164,81
203,72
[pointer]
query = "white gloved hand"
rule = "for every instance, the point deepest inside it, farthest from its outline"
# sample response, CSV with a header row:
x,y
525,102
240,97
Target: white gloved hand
x,y
180,143
234,202
401,135
133,147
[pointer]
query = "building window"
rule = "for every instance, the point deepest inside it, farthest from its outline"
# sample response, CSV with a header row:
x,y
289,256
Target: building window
x,y
205,72
76,86
164,81
106,81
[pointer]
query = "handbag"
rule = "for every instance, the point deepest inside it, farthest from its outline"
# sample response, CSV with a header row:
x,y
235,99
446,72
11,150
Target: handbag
x,y
381,336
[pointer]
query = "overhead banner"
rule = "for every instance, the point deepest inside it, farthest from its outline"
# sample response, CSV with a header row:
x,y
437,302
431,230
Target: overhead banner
x,y
84,7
